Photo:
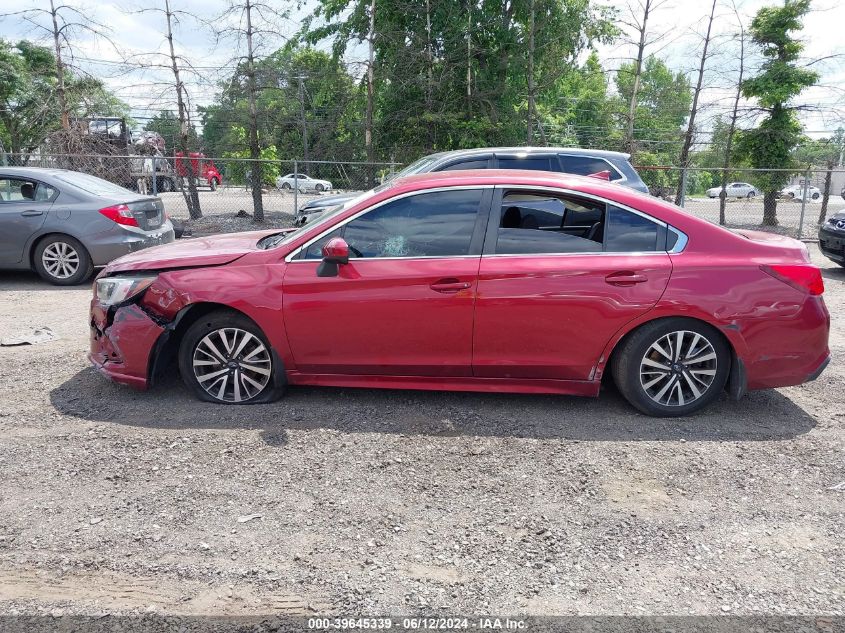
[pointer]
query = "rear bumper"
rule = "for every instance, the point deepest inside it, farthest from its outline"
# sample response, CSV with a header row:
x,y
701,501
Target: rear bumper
x,y
125,240
790,351
122,344
818,371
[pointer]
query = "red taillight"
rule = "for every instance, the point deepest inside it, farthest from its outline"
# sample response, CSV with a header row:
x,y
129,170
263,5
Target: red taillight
x,y
801,276
121,214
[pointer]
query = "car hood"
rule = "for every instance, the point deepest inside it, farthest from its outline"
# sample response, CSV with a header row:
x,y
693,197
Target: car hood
x,y
206,251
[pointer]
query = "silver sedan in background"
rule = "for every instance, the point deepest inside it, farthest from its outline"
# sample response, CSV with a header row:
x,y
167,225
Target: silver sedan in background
x,y
303,182
63,223
735,190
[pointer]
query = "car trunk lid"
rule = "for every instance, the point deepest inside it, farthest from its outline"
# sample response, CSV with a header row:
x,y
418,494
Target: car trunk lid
x,y
148,212
781,246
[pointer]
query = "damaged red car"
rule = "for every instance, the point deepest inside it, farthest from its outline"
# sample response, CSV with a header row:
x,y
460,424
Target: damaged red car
x,y
487,280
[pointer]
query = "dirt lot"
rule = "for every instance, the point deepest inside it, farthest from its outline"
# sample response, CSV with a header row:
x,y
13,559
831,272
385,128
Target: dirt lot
x,y
363,502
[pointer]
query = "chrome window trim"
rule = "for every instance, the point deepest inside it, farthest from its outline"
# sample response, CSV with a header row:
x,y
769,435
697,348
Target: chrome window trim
x,y
602,253
290,256
622,177
679,246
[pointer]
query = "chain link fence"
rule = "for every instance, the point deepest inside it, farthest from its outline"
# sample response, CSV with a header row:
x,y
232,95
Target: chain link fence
x,y
223,184
780,201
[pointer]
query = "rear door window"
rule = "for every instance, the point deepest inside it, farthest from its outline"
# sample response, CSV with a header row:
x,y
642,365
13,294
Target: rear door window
x,y
630,233
475,163
536,163
586,166
23,189
547,223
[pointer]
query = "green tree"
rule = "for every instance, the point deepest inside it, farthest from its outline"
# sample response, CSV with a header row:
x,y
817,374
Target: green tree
x,y
166,123
579,110
780,80
328,101
459,74
29,106
663,104
824,153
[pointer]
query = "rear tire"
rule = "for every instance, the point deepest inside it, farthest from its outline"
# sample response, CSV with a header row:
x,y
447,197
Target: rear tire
x,y
225,358
286,186
62,260
663,387
751,194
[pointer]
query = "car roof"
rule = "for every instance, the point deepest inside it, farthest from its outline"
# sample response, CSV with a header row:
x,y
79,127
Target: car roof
x,y
496,177
575,151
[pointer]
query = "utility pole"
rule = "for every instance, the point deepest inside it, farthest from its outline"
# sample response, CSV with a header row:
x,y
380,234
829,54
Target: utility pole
x,y
301,78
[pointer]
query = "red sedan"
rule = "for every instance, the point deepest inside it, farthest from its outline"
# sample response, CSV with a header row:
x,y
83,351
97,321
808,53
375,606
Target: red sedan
x,y
474,281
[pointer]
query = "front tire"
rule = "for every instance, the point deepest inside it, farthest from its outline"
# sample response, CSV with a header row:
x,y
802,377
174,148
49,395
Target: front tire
x,y
286,186
751,194
225,358
672,367
62,260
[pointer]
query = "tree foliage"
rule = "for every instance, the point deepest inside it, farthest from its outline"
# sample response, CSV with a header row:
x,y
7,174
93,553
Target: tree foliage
x,y
29,108
329,99
780,80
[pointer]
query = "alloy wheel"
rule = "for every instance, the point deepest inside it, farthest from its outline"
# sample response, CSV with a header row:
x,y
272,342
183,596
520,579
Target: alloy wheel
x,y
232,365
678,368
60,260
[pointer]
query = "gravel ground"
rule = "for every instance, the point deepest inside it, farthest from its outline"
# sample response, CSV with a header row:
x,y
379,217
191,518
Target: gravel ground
x,y
364,502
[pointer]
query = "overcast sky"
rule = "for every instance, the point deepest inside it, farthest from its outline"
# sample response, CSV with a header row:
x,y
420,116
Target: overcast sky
x,y
139,36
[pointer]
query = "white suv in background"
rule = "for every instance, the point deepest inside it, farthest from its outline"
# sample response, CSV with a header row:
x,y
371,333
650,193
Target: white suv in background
x,y
612,166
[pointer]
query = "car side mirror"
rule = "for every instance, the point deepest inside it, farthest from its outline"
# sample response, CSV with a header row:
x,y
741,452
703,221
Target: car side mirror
x,y
335,252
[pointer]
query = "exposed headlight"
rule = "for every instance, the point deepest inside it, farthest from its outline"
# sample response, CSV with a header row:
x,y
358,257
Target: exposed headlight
x,y
112,291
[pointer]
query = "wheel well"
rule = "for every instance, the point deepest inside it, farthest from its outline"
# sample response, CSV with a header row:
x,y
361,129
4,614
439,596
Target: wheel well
x,y
736,376
167,347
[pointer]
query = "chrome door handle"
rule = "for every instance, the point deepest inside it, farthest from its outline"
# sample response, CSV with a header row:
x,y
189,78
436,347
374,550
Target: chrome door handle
x,y
625,278
450,285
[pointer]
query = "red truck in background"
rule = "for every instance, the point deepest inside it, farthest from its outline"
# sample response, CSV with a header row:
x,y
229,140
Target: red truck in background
x,y
204,171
